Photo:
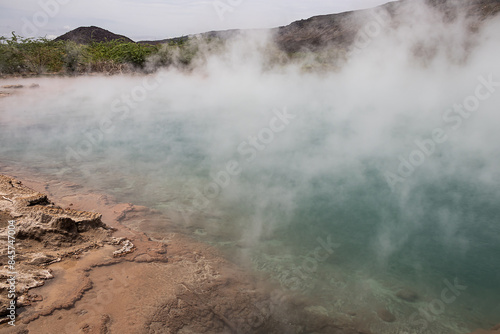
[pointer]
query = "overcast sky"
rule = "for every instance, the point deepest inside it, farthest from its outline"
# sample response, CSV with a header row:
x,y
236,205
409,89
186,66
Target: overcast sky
x,y
159,19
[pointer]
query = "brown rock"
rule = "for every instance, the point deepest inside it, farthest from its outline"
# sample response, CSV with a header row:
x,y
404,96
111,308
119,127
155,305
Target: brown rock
x,y
45,230
13,86
385,315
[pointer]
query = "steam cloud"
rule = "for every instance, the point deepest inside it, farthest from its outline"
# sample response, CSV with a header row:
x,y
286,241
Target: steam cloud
x,y
345,165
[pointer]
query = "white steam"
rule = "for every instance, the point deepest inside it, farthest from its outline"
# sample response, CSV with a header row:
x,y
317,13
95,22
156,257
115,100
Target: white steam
x,y
337,162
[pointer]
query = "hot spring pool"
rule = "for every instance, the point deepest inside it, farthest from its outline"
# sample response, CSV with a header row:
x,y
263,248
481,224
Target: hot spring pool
x,y
373,185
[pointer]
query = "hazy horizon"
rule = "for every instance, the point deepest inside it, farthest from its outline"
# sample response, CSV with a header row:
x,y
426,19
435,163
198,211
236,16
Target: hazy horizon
x,y
155,20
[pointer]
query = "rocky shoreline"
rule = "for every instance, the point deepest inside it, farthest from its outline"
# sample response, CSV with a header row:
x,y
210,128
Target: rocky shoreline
x,y
45,234
80,271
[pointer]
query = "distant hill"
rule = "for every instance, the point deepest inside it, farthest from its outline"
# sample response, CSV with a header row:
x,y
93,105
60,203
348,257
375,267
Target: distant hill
x,y
224,34
341,29
318,31
175,40
87,35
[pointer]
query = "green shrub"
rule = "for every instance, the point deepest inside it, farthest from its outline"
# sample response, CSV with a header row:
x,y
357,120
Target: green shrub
x,y
30,55
40,55
119,52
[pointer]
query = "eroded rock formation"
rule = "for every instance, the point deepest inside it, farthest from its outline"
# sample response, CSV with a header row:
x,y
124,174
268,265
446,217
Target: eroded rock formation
x,y
35,233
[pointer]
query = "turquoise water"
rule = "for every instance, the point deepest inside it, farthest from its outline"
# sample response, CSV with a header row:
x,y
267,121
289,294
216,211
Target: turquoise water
x,y
292,174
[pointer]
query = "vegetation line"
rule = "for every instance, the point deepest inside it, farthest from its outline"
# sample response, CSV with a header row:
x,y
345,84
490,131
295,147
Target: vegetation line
x,y
30,56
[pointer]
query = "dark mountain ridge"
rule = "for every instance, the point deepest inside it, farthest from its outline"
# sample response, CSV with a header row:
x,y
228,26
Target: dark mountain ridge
x,y
87,35
341,29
